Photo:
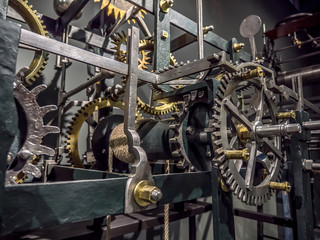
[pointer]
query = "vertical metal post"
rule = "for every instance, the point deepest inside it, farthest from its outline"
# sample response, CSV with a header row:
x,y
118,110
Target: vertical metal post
x,y
222,213
3,9
192,228
62,91
300,181
260,224
9,41
141,169
300,93
161,37
200,29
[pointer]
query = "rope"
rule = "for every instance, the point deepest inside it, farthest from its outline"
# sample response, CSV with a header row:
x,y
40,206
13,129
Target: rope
x,y
110,160
166,207
119,144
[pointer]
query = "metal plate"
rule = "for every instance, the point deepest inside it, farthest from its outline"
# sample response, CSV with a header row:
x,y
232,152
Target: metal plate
x,y
250,26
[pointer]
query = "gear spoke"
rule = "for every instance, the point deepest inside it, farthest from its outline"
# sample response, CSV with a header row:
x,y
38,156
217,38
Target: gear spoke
x,y
236,114
259,111
251,166
92,123
268,144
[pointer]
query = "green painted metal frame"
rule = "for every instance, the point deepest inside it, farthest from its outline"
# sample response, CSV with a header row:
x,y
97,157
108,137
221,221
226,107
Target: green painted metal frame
x,y
31,206
9,40
300,182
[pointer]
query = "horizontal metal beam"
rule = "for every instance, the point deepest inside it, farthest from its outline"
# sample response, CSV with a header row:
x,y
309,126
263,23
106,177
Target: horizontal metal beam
x,y
210,62
189,26
31,206
263,217
50,45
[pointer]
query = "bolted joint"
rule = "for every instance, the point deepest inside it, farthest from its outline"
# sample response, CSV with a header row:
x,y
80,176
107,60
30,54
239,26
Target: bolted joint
x,y
145,193
164,34
207,29
243,133
165,5
258,72
310,166
238,46
284,186
238,154
286,115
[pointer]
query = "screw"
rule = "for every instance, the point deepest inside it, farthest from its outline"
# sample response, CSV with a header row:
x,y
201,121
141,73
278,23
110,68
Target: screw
x,y
190,130
164,34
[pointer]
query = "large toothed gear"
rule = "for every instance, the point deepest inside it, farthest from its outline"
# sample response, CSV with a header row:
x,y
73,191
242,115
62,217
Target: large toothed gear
x,y
234,145
156,110
118,8
191,132
121,55
36,25
80,117
145,46
36,130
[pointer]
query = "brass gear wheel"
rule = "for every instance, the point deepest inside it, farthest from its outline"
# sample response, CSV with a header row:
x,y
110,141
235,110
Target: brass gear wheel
x,y
121,54
113,10
36,25
77,121
144,45
156,110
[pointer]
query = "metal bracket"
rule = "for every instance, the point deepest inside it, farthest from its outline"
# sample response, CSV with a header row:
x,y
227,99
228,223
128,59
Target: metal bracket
x,y
140,170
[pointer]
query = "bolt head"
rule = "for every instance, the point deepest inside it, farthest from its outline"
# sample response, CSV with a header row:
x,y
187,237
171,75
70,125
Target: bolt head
x,y
156,195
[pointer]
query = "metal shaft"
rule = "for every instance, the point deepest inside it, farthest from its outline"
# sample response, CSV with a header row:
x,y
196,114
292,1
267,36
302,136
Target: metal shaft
x,y
312,125
99,77
200,28
277,130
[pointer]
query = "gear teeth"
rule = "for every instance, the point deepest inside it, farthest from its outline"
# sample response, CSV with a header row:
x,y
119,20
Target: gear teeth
x,y
241,194
46,109
223,167
220,151
38,89
218,142
41,149
176,153
244,198
51,129
233,185
236,191
221,159
230,179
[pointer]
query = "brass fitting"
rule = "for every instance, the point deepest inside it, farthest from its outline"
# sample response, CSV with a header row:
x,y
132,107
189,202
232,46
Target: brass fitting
x,y
238,46
224,186
297,42
145,193
286,115
238,154
243,133
284,186
207,29
165,5
258,72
